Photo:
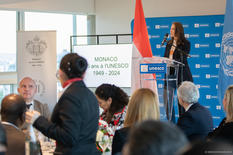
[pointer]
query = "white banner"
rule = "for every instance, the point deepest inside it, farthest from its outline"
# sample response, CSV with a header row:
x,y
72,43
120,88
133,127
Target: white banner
x,y
36,58
107,64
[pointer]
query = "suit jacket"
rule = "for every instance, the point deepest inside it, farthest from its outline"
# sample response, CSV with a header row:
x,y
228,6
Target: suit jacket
x,y
42,108
119,139
177,56
224,131
196,123
74,121
15,141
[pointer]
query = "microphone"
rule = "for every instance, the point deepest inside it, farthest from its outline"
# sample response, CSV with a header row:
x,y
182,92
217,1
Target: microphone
x,y
164,39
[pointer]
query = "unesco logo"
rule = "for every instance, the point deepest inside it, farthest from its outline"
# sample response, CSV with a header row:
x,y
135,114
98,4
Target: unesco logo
x,y
36,46
207,55
211,55
154,36
196,25
158,46
207,35
186,35
185,25
202,66
218,107
208,76
203,86
208,97
144,68
200,25
160,85
191,35
196,76
161,27
157,26
201,45
197,66
197,45
218,24
226,59
217,45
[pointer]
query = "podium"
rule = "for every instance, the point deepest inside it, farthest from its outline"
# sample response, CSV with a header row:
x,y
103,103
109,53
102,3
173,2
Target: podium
x,y
161,75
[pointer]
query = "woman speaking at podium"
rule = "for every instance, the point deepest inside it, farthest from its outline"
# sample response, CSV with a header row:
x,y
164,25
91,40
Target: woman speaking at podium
x,y
177,49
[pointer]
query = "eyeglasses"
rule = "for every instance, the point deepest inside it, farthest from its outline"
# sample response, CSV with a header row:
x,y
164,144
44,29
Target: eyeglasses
x,y
57,75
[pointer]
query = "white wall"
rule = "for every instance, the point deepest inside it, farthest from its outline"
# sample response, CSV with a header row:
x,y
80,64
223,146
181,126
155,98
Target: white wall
x,y
63,6
114,16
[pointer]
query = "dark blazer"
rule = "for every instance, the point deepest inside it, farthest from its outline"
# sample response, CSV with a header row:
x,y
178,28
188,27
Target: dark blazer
x,y
15,140
74,121
224,131
196,123
187,76
119,139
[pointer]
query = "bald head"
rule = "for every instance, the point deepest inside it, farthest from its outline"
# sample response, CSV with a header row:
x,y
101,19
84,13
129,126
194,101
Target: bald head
x,y
27,89
13,109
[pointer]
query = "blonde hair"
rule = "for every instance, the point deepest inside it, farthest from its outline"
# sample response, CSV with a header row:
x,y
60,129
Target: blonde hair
x,y
229,103
143,105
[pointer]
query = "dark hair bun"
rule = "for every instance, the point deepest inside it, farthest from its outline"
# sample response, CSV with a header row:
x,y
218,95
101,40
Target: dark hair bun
x,y
73,65
80,66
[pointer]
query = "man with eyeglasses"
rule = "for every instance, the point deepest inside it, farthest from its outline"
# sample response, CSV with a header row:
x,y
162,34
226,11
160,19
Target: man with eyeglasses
x,y
27,89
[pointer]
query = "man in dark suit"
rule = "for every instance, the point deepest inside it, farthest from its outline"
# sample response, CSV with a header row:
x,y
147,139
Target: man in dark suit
x,y
13,110
197,121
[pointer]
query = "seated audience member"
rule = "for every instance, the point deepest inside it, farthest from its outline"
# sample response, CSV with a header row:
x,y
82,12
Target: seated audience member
x,y
143,105
3,142
13,110
196,122
113,100
225,129
155,138
209,147
27,89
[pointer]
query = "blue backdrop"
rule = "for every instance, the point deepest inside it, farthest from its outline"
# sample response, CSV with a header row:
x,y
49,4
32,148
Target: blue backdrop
x,y
205,35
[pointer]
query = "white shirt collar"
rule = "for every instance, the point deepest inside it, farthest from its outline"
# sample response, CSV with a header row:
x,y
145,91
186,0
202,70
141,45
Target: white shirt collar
x,y
187,108
11,124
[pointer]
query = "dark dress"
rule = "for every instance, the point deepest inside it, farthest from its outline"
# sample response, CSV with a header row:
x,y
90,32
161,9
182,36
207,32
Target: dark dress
x,y
119,139
180,57
224,131
196,123
184,74
74,121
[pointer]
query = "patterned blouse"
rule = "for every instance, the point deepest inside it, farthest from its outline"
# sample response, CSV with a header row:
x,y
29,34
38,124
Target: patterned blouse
x,y
117,121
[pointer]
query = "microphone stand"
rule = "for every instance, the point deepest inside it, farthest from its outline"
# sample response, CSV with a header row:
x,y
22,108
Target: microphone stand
x,y
182,53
